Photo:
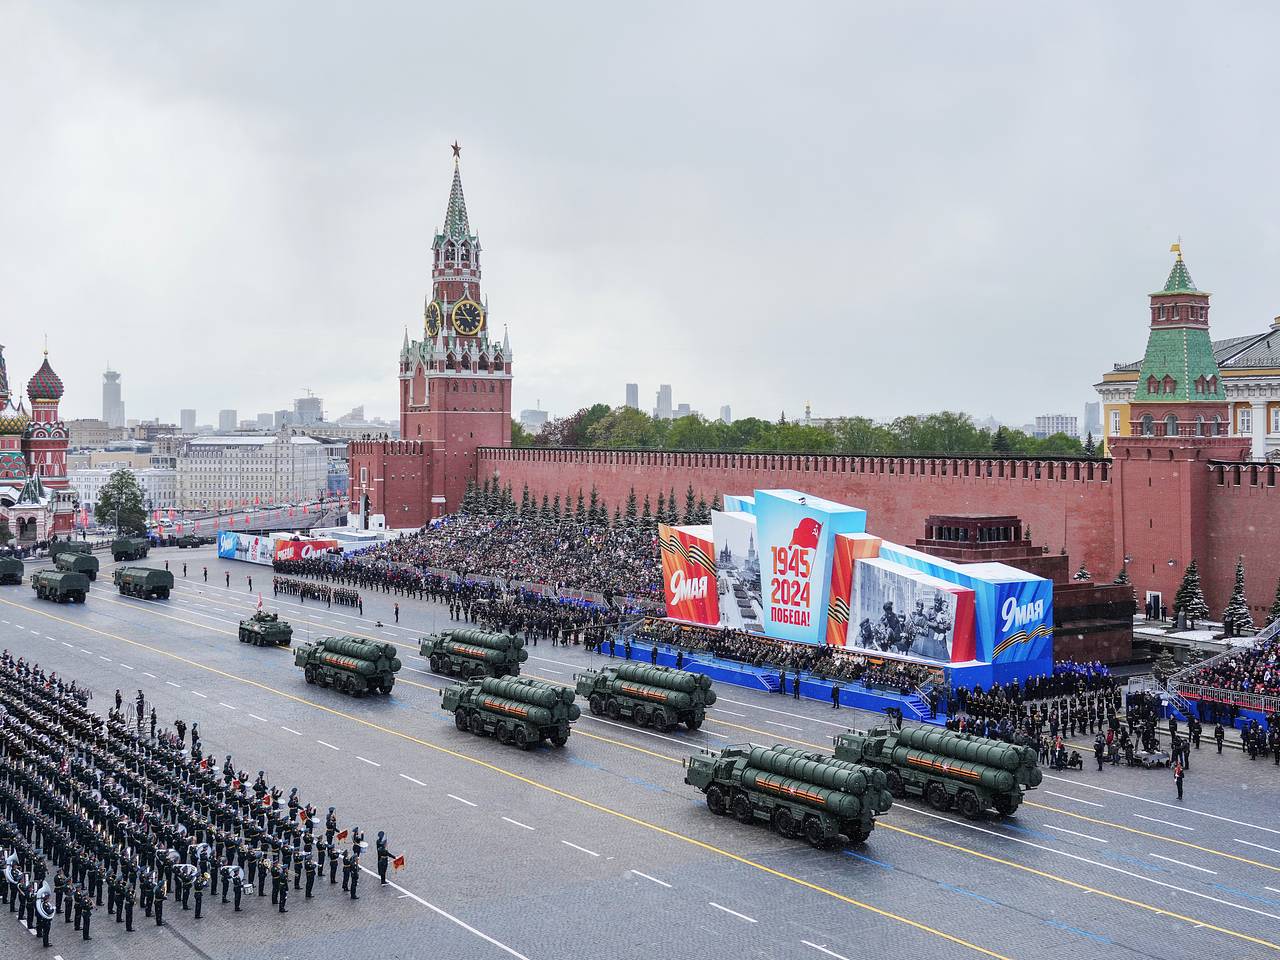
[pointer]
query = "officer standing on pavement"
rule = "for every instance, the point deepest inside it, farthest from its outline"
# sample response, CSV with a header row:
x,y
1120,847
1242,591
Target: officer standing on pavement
x,y
355,871
384,858
311,876
1219,735
44,917
202,882
158,897
237,887
1177,777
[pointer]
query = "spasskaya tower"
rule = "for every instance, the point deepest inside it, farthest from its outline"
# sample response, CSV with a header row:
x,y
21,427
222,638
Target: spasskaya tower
x,y
455,390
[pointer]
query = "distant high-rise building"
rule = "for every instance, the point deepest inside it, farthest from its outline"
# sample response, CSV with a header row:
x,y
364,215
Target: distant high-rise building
x,y
633,396
663,410
308,410
281,417
726,414
682,411
226,421
187,421
533,420
1050,423
112,405
1093,418
266,421
356,415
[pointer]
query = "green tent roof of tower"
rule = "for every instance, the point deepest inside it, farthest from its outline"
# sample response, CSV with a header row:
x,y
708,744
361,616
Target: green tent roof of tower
x,y
1184,354
456,226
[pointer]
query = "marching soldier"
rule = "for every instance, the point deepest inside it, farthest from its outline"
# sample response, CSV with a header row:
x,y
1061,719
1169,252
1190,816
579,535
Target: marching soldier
x,y
128,910
311,876
202,882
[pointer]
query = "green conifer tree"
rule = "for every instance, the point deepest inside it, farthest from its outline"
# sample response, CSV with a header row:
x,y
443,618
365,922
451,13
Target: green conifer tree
x,y
1236,618
1189,600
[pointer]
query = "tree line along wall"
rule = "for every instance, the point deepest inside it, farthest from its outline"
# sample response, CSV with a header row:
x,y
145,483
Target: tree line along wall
x,y
1067,503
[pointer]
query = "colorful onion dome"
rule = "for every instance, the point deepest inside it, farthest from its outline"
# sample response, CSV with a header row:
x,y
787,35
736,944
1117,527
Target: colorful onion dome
x,y
13,419
45,385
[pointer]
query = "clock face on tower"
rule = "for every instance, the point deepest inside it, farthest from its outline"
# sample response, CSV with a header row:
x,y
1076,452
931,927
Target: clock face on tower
x,y
467,317
433,318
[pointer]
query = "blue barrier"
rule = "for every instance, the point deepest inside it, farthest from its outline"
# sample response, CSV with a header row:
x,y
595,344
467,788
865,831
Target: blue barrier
x,y
854,695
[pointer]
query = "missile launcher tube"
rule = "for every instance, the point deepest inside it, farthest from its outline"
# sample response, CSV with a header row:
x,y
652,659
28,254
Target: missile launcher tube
x,y
470,651
959,747
530,713
664,677
486,638
843,805
527,691
814,772
993,778
658,696
360,649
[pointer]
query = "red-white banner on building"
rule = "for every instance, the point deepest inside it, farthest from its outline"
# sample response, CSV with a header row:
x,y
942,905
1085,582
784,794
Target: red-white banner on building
x,y
302,549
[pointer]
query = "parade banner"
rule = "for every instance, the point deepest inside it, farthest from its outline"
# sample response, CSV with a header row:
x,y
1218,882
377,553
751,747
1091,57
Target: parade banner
x,y
302,549
689,573
904,612
849,548
737,570
246,547
796,534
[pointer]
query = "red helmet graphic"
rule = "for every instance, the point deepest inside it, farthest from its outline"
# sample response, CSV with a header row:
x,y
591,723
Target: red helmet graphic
x,y
806,534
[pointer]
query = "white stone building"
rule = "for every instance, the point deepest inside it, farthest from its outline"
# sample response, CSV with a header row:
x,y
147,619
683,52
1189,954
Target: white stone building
x,y
279,468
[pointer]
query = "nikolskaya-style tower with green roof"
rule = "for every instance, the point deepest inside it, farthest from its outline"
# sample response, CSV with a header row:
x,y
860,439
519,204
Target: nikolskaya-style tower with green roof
x,y
1179,391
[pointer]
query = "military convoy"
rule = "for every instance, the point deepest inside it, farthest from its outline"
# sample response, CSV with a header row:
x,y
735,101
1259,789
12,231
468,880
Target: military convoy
x,y
130,548
266,630
12,570
60,586
146,583
810,795
513,710
193,540
348,664
652,696
59,547
76,562
946,768
470,653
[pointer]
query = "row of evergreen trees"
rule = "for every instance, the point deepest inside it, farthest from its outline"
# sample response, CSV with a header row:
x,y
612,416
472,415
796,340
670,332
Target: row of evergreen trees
x,y
493,499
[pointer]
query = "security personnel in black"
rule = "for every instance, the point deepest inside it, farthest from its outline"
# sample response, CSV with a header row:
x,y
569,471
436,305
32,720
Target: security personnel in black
x,y
384,858
355,872
158,897
333,863
201,884
1219,735
128,909
237,887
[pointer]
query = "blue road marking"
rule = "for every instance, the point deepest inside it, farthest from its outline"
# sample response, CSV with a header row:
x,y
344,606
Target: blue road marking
x,y
1096,937
866,859
970,893
1269,901
1029,832
1132,861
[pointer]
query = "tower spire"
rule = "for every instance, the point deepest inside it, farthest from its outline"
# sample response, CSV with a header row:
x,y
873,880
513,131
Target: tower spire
x,y
456,226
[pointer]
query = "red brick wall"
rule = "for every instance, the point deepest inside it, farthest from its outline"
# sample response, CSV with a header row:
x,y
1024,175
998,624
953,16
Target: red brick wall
x,y
1063,507
1243,507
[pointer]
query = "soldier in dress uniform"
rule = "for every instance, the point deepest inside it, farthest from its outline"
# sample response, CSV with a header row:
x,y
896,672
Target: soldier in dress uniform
x,y
384,858
44,917
202,882
311,876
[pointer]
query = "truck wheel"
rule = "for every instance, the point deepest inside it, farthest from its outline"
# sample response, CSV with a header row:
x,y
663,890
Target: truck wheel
x,y
783,822
435,663
310,673
612,709
859,833
501,732
936,794
814,834
460,719
969,805
658,719
1005,805
560,739
596,703
640,716
741,808
893,780
521,738
715,801
476,724
694,723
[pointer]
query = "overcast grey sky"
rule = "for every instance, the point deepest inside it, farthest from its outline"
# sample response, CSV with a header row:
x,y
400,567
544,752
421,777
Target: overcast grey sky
x,y
881,208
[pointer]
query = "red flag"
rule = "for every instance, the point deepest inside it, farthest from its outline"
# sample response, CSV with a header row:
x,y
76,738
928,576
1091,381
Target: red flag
x,y
342,835
204,764
398,862
235,783
266,800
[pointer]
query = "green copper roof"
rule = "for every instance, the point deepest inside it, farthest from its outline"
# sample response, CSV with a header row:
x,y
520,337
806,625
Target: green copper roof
x,y
456,226
1179,279
1186,356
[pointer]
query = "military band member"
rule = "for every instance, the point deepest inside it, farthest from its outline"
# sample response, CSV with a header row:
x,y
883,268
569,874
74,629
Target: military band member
x,y
44,917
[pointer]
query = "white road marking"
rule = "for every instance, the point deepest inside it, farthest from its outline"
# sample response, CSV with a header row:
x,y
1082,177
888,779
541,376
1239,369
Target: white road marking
x,y
151,675
290,730
411,780
576,847
789,726
1258,845
1183,863
1052,826
227,705
783,713
627,726
256,717
459,799
65,644
83,650
661,883
518,823
558,673
197,693
829,953
1272,889
329,745
451,918
101,657
425,673
1165,822
372,763
1076,799
740,916
1160,803
126,666
1094,863
47,637
732,713
172,684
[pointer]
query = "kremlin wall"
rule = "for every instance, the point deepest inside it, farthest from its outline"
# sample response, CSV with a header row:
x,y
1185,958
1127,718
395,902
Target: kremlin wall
x,y
1178,485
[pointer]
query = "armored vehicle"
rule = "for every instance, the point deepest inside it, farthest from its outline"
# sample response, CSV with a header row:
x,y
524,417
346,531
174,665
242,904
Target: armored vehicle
x,y
945,768
266,630
514,710
193,540
474,653
61,586
809,795
658,697
59,547
85,563
146,582
348,664
11,570
130,548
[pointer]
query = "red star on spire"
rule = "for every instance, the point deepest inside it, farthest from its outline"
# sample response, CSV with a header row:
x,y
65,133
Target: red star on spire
x,y
457,150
